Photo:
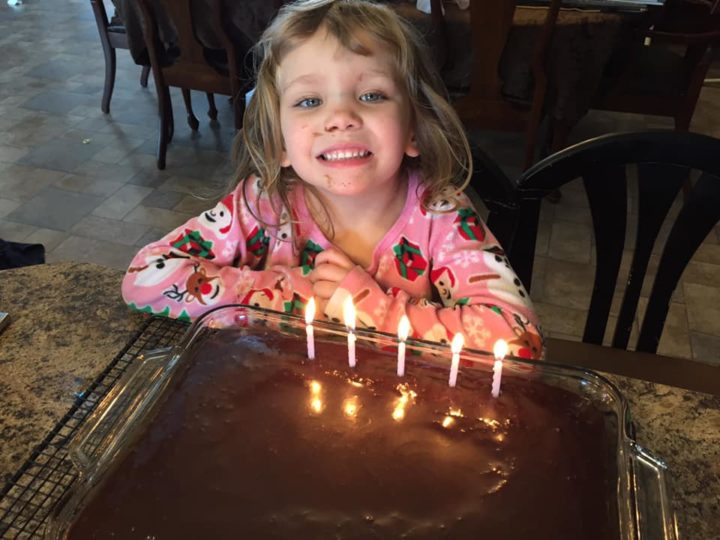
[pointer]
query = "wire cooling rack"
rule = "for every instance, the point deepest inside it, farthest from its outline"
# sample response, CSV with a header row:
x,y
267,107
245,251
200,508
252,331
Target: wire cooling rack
x,y
29,496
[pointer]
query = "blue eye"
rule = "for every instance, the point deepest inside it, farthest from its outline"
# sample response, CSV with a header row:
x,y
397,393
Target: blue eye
x,y
370,97
308,103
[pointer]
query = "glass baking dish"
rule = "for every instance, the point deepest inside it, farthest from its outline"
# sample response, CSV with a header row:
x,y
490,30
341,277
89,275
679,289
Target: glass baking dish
x,y
638,485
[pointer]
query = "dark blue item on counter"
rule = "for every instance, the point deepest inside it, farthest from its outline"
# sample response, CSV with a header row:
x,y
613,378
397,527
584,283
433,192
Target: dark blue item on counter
x,y
16,255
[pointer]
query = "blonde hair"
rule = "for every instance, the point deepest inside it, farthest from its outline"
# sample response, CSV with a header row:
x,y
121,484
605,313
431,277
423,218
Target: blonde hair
x,y
444,158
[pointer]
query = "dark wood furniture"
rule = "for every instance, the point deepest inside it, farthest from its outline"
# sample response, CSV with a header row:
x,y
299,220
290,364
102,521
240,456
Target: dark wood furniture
x,y
663,160
112,36
663,71
647,366
483,105
190,70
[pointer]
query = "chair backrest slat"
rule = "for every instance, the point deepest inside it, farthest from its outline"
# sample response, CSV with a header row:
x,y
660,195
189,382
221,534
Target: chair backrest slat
x,y
698,216
664,160
658,186
606,189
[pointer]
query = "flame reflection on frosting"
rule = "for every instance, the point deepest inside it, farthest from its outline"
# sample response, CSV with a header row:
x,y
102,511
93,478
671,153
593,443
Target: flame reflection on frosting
x,y
450,417
350,407
406,399
316,402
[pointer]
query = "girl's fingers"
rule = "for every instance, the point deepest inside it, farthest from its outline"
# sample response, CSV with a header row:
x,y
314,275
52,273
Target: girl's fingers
x,y
328,272
324,289
334,256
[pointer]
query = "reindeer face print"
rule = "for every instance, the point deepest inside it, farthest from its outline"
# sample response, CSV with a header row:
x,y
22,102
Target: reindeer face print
x,y
219,219
157,268
203,288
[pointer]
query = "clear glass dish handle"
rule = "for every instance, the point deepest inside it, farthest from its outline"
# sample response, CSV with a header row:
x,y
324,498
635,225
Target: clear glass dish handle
x,y
654,515
102,435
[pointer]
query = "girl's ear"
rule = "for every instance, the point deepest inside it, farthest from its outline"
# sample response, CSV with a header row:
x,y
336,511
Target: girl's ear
x,y
412,150
284,160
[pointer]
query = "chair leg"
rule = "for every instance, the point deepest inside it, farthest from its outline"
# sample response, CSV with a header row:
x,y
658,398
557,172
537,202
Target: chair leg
x,y
108,51
212,110
238,107
166,128
110,60
191,119
144,76
171,117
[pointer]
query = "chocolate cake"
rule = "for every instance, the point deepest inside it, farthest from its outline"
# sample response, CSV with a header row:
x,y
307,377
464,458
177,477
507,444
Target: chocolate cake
x,y
254,441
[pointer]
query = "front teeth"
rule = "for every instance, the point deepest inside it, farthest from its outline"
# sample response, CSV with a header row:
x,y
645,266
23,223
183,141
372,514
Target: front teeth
x,y
334,156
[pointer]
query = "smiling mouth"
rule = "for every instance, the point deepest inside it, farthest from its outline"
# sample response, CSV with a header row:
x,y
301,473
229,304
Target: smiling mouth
x,y
345,154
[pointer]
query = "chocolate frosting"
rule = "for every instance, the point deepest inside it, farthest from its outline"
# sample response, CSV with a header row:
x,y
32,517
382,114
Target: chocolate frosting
x,y
254,441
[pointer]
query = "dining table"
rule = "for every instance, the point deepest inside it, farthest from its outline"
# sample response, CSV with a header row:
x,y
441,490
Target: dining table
x,y
588,36
70,336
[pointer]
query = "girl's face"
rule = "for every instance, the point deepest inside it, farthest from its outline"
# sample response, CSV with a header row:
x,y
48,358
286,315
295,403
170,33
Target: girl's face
x,y
345,121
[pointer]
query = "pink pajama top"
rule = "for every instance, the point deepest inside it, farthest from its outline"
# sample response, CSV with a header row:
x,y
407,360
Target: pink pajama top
x,y
444,269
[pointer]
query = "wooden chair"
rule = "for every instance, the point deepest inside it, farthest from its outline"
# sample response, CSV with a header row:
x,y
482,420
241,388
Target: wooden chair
x,y
483,106
663,160
663,72
190,70
112,36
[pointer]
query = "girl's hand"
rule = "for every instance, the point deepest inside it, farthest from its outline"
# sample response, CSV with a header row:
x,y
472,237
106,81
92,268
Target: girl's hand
x,y
331,267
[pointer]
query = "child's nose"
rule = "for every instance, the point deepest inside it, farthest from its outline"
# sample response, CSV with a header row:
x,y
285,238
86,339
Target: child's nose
x,y
342,117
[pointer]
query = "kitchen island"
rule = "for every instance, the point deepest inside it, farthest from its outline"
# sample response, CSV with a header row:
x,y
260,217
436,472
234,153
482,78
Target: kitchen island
x,y
69,321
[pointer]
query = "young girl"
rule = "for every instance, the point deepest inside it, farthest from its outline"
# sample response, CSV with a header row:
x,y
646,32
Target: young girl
x,y
351,167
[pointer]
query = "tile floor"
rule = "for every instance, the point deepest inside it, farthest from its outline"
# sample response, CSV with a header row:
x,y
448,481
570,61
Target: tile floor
x,y
85,184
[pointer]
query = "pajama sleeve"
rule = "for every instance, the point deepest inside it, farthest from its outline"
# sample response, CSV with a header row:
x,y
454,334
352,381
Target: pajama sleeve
x,y
214,259
475,291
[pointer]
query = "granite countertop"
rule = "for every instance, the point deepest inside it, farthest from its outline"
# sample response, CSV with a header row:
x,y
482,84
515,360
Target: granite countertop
x,y
69,321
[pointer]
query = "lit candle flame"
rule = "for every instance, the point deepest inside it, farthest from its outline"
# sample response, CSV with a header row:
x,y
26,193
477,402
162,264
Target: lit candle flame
x,y
349,313
500,349
310,311
403,328
448,421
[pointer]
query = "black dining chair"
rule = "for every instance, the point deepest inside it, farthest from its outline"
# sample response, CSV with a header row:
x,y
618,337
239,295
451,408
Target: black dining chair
x,y
112,36
663,161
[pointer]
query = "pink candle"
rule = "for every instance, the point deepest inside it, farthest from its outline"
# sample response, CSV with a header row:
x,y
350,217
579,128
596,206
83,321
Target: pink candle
x,y
309,317
499,350
403,332
456,346
349,316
